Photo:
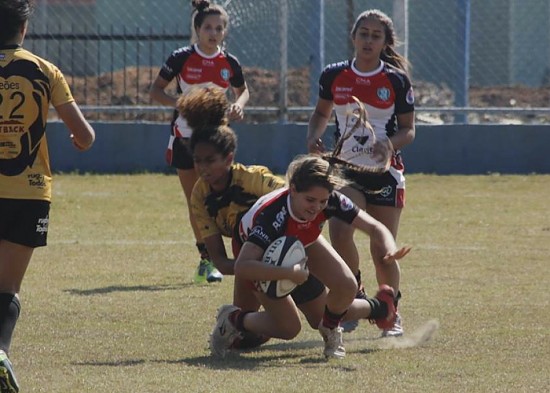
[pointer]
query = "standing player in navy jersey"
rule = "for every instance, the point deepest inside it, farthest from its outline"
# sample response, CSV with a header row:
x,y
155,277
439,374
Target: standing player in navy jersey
x,y
300,210
377,76
202,64
29,85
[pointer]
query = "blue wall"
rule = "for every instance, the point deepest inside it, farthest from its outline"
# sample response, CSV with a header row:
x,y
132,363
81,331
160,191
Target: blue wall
x,y
447,149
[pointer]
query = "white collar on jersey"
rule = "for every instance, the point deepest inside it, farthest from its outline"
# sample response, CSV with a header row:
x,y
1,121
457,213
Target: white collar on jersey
x,y
196,46
290,210
366,74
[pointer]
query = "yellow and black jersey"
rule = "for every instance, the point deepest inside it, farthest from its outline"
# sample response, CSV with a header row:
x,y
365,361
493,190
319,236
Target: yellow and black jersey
x,y
28,85
217,213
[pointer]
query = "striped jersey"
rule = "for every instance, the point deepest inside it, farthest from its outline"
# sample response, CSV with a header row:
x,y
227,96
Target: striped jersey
x,y
193,68
385,93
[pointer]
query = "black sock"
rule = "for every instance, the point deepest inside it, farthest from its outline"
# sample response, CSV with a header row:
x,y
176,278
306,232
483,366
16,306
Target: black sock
x,y
397,298
9,312
378,309
203,251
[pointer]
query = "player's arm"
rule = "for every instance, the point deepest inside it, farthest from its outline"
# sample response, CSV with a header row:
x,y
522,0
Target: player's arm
x,y
158,93
82,133
382,243
406,131
249,266
236,110
317,125
216,250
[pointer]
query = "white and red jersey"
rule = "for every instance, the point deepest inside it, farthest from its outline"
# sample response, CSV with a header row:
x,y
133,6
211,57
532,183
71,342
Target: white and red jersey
x,y
193,68
271,217
385,93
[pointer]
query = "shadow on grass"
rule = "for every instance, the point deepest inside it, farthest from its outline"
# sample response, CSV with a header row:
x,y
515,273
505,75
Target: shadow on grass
x,y
133,288
280,354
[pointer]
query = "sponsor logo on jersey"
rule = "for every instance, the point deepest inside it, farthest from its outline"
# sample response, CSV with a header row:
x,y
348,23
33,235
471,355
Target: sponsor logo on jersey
x,y
383,93
9,85
343,89
362,139
279,219
258,232
224,73
36,180
362,81
345,203
207,63
193,69
410,96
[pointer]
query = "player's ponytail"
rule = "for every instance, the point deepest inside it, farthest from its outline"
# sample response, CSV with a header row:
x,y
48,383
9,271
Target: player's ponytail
x,y
205,110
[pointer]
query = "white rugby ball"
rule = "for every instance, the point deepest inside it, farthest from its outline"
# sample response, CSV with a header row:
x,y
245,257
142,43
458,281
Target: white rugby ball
x,y
285,251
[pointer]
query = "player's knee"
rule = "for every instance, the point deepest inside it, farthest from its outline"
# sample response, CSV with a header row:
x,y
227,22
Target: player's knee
x,y
289,330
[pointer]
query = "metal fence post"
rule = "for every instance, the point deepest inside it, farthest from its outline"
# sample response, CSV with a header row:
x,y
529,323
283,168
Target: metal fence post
x,y
283,68
461,98
401,23
317,58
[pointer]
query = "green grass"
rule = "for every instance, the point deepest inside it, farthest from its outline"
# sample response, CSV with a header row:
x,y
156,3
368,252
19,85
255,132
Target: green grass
x,y
109,305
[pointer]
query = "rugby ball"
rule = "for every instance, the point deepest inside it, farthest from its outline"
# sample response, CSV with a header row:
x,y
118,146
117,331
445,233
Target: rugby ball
x,y
285,251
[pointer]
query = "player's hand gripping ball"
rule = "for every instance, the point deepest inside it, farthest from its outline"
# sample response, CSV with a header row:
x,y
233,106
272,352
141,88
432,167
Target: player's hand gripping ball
x,y
286,251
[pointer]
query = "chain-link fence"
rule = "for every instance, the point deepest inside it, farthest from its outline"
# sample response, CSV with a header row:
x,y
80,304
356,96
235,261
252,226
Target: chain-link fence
x,y
488,60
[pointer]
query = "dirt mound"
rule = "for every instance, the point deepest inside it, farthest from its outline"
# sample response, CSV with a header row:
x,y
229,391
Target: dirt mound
x,y
130,87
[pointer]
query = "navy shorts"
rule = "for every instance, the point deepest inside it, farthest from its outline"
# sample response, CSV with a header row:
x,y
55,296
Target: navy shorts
x,y
386,189
24,221
178,153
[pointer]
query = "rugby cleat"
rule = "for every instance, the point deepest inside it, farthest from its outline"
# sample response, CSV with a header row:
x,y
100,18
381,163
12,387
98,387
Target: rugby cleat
x,y
334,346
396,330
8,382
225,334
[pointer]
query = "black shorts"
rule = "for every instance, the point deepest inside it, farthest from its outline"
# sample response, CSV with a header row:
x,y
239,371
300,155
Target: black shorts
x,y
24,221
178,153
385,189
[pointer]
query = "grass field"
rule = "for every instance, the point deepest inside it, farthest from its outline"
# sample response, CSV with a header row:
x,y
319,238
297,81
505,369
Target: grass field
x,y
109,305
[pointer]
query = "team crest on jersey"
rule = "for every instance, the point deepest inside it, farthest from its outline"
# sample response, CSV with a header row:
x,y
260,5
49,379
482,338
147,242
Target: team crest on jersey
x,y
345,203
224,74
383,93
410,96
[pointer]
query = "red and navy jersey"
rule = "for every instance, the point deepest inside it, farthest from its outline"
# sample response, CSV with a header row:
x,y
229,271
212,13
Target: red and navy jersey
x,y
193,68
271,217
385,92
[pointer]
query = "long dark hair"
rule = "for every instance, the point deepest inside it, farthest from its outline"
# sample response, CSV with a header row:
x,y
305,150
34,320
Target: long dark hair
x,y
389,54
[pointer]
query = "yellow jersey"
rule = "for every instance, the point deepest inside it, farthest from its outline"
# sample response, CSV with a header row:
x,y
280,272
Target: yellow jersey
x,y
28,85
218,213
